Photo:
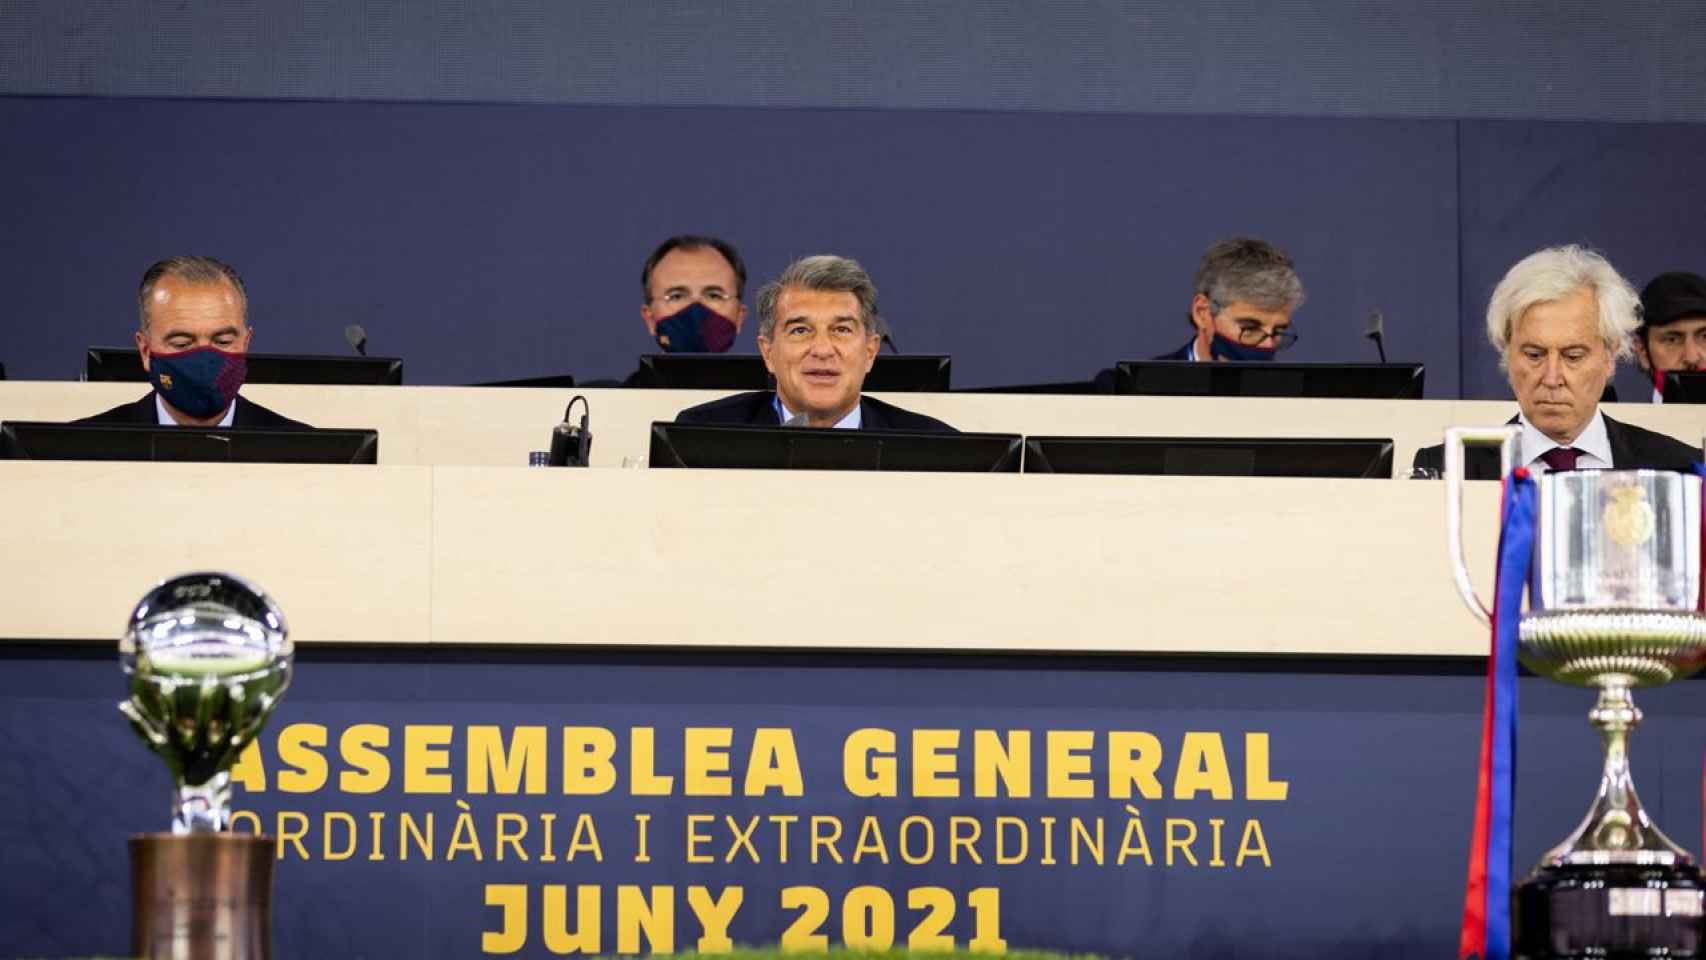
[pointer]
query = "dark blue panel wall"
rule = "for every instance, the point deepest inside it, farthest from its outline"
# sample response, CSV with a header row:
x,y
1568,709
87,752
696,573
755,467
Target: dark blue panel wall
x,y
482,242
1633,192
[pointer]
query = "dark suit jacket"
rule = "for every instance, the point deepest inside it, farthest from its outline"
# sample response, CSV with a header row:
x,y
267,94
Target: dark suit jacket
x,y
1632,448
757,409
1106,381
143,414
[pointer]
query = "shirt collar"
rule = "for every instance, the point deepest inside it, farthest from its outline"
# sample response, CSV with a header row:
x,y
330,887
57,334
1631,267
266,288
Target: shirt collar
x,y
1594,443
1193,357
165,416
852,421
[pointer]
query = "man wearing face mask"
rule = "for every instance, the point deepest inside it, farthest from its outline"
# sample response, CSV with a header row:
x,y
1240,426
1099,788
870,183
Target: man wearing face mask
x,y
194,341
818,330
693,287
1672,334
1243,297
1559,320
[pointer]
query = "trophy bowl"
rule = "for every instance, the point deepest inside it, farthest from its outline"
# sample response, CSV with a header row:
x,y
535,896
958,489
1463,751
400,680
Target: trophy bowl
x,y
207,656
1614,602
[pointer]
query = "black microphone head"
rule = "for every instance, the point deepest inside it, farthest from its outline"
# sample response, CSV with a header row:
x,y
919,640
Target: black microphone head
x,y
357,338
1375,326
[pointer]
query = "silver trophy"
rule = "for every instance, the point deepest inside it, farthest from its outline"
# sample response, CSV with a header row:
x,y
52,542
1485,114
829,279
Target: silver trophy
x,y
1614,603
207,656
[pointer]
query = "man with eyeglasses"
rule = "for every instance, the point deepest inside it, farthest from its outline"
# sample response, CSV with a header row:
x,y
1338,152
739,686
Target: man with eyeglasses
x,y
1242,300
1241,305
1672,335
693,287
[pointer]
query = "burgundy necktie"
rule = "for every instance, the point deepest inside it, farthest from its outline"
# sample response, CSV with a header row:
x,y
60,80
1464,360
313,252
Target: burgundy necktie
x,y
1561,459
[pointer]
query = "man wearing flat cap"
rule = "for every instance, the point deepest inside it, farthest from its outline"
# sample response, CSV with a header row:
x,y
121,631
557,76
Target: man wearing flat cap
x,y
1672,335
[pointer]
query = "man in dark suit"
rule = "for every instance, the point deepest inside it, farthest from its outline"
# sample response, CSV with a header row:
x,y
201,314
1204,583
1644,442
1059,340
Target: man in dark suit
x,y
1244,294
194,341
818,331
1559,320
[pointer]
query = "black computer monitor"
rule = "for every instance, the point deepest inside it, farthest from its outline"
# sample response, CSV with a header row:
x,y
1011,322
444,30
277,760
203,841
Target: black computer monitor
x,y
1210,457
29,440
2,371
1180,378
123,364
554,381
891,373
808,448
1684,386
1067,387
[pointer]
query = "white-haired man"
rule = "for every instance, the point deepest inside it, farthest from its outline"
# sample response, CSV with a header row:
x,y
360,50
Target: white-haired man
x,y
1560,319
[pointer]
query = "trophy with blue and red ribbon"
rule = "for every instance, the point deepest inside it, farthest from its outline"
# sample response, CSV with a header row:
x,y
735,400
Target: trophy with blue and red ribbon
x,y
1610,563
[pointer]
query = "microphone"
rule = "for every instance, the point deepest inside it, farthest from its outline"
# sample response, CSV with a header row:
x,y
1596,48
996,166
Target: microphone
x,y
357,338
1374,328
797,420
571,444
890,341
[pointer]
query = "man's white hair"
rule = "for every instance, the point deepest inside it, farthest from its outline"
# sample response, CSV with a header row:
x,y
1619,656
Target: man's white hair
x,y
1553,274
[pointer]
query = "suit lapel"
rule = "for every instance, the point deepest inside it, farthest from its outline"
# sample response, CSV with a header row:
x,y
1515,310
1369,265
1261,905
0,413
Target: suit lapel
x,y
1621,450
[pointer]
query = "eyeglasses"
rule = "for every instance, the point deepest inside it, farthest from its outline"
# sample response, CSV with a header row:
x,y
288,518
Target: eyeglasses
x,y
1252,335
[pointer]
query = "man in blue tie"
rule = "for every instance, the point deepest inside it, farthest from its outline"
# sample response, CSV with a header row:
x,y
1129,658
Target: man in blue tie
x,y
1560,319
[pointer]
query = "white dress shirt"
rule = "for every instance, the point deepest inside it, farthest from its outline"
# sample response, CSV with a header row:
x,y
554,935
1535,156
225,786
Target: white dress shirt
x,y
1594,444
852,421
166,415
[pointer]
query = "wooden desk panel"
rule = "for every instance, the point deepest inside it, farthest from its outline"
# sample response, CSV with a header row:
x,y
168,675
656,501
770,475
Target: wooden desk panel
x,y
344,550
752,559
1017,563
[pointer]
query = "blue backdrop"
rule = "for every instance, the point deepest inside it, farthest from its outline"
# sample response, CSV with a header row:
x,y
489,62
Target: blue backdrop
x,y
1031,185
1365,854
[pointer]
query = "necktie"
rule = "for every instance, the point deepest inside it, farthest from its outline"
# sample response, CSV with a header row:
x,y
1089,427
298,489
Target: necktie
x,y
1561,459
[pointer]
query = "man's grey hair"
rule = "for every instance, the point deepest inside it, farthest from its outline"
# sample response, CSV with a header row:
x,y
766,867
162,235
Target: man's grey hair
x,y
822,272
193,270
1251,270
1553,274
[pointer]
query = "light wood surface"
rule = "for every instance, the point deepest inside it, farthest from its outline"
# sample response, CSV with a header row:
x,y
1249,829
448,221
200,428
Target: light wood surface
x,y
784,560
494,426
347,551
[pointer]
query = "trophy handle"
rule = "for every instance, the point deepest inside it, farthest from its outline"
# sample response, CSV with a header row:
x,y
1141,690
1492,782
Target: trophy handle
x,y
1456,438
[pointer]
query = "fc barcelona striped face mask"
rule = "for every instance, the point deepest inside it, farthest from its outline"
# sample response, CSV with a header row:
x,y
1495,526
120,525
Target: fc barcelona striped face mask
x,y
200,382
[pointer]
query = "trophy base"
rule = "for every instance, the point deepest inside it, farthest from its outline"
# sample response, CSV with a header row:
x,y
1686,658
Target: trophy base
x,y
1609,912
201,896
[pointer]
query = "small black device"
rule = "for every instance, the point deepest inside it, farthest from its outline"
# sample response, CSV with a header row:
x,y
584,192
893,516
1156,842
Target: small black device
x,y
571,443
31,440
1182,378
891,373
122,364
1210,457
816,448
